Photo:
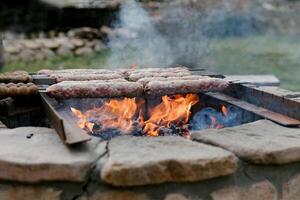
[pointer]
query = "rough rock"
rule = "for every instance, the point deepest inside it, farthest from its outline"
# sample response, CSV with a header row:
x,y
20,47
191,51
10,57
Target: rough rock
x,y
30,44
44,157
260,142
176,197
136,161
102,4
84,32
107,31
83,51
48,53
27,54
65,42
99,46
291,189
64,51
263,190
11,49
120,195
49,43
77,42
29,193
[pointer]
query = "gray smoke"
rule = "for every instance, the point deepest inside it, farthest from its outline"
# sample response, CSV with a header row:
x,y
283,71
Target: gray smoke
x,y
138,42
183,35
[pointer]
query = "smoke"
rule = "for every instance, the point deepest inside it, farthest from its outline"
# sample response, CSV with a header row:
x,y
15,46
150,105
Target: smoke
x,y
183,34
138,42
211,118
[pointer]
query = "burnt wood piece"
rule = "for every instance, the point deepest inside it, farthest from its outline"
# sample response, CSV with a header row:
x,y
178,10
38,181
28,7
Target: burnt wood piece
x,y
272,102
63,123
263,112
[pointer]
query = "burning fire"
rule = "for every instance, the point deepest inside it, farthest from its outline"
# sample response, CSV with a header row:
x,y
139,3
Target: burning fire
x,y
122,114
173,110
115,114
127,116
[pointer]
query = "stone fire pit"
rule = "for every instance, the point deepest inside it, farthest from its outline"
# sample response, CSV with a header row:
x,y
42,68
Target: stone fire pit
x,y
259,160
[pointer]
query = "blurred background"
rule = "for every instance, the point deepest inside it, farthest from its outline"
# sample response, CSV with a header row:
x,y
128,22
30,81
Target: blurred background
x,y
223,36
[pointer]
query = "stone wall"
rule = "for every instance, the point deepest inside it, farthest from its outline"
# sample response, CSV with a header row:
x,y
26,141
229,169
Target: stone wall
x,y
77,42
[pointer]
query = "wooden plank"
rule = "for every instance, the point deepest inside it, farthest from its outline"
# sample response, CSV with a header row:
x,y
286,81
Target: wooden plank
x,y
63,123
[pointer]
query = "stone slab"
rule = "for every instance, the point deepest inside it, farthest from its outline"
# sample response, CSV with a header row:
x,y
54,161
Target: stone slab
x,y
31,154
29,193
263,190
261,142
259,80
291,189
134,161
116,195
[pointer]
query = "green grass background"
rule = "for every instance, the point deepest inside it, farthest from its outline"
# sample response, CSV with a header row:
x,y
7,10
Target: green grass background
x,y
278,55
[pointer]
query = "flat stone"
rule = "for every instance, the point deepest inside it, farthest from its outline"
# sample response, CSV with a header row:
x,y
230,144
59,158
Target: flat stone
x,y
12,49
263,190
291,189
280,92
29,193
83,51
116,195
136,161
27,54
64,51
297,99
175,196
259,80
43,156
30,44
260,142
49,43
77,42
65,42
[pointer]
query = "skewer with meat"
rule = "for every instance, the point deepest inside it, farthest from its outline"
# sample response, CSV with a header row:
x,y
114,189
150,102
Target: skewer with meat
x,y
84,76
128,72
17,89
171,87
15,77
75,71
94,89
145,81
137,76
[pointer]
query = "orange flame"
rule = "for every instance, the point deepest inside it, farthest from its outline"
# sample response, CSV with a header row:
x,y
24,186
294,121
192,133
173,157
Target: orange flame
x,y
224,110
115,114
122,114
170,111
83,120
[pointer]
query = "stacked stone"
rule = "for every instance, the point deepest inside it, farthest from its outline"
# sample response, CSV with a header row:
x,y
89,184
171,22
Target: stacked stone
x,y
77,42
